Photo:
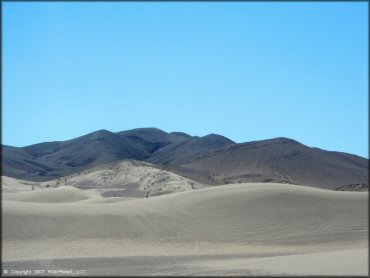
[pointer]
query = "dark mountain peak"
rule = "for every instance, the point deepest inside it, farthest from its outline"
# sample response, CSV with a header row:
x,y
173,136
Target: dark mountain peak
x,y
182,134
283,140
277,142
102,133
214,137
142,131
99,135
152,135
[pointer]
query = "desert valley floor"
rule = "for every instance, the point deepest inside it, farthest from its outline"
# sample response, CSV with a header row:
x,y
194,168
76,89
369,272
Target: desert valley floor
x,y
232,229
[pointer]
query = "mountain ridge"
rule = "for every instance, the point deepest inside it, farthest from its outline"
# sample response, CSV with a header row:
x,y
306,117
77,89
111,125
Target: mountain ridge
x,y
211,159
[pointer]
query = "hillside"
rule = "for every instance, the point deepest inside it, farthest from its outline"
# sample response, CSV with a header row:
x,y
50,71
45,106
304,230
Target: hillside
x,y
187,150
280,160
50,160
211,159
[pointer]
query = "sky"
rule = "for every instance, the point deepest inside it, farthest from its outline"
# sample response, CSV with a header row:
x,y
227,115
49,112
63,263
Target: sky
x,y
245,70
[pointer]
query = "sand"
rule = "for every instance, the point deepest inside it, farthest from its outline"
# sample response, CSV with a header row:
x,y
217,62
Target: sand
x,y
12,185
251,229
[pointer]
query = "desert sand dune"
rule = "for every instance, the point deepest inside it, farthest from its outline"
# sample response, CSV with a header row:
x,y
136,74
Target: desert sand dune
x,y
12,185
100,200
291,225
62,194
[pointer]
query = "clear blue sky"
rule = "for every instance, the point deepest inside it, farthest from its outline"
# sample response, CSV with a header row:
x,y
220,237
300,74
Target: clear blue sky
x,y
248,71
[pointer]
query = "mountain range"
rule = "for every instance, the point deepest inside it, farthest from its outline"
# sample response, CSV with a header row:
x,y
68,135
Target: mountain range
x,y
212,159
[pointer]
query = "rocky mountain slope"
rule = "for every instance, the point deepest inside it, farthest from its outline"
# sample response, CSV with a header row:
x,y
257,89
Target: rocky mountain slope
x,y
280,160
212,159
